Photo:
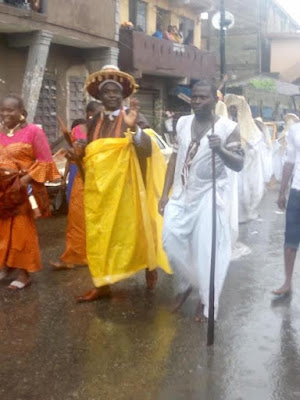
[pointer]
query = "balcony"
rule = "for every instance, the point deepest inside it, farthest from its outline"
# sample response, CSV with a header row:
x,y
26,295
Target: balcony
x,y
196,5
18,16
26,5
141,54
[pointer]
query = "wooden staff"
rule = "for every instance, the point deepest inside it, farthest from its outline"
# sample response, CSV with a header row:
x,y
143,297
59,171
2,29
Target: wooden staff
x,y
211,312
67,136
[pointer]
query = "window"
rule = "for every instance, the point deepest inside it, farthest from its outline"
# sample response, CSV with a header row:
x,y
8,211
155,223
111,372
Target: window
x,y
46,108
138,14
163,17
187,29
76,98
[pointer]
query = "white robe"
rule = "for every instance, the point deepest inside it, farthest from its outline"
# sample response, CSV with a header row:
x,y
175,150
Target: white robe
x,y
251,183
187,230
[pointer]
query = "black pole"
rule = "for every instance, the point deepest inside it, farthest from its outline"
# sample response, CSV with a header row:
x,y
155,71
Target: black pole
x,y
211,312
222,42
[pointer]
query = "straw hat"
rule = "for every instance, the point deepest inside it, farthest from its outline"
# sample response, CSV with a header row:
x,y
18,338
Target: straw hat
x,y
110,73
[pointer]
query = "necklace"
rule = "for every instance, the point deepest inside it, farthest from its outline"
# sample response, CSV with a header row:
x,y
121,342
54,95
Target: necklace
x,y
11,132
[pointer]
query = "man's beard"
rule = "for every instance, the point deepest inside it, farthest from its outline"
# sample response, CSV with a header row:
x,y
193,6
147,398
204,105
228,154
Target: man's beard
x,y
204,113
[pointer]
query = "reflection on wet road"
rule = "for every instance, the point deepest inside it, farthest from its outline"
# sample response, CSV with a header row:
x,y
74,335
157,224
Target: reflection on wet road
x,y
131,347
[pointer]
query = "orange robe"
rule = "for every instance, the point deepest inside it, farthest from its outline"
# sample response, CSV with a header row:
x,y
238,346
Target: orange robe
x,y
27,150
75,251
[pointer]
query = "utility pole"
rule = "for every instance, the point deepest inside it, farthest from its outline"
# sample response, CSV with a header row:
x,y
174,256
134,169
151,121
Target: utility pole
x,y
222,40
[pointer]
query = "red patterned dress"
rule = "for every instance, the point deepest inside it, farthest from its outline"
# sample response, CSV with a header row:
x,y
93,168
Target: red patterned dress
x,y
27,151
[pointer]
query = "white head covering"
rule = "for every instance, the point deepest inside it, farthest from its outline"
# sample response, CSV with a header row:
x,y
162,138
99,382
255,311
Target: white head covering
x,y
249,131
290,119
221,109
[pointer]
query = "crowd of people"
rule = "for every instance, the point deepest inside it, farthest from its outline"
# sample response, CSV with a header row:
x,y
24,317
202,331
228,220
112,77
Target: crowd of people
x,y
130,212
34,5
174,34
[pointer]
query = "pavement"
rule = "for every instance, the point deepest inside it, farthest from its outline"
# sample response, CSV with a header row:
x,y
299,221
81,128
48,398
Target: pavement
x,y
132,347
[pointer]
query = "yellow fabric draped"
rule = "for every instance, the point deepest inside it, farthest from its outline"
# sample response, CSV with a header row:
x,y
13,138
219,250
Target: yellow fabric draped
x,y
123,227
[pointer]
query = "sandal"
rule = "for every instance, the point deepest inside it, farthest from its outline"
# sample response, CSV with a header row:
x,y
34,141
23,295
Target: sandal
x,y
18,285
60,266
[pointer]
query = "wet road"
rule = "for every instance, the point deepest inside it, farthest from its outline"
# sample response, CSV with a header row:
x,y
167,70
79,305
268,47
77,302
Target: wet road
x,y
132,348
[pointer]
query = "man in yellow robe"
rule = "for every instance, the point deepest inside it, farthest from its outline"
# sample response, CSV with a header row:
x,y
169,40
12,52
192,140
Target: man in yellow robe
x,y
121,188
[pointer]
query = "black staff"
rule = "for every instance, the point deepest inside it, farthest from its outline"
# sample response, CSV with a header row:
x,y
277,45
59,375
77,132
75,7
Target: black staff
x,y
211,313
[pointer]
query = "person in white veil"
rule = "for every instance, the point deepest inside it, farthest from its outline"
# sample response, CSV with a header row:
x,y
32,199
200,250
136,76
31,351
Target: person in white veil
x,y
221,108
221,111
238,249
251,179
266,150
280,145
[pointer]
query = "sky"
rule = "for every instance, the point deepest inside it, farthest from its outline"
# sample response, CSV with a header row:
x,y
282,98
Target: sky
x,y
292,7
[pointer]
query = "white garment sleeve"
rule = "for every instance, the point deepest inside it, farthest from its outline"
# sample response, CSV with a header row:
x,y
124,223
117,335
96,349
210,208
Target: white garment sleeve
x,y
178,134
291,148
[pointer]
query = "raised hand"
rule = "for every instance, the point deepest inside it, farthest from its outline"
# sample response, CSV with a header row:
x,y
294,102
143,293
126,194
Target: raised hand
x,y
131,117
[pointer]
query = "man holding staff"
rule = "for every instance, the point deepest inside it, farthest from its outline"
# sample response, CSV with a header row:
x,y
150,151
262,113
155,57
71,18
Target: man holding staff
x,y
187,235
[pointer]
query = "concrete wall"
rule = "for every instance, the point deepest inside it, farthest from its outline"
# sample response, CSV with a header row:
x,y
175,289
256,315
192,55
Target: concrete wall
x,y
176,13
93,16
62,62
12,68
285,54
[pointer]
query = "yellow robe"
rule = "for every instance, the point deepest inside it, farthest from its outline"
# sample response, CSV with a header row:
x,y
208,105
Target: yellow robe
x,y
123,227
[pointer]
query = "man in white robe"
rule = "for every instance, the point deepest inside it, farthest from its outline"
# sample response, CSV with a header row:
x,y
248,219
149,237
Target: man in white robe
x,y
187,234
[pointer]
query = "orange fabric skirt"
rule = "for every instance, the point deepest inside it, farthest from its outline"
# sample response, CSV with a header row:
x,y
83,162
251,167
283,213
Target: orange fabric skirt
x,y
75,252
19,245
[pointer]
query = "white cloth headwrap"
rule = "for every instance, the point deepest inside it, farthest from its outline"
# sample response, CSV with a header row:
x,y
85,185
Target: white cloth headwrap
x,y
110,81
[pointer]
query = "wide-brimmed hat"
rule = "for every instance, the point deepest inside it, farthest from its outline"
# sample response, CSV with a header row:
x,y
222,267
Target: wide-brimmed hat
x,y
110,73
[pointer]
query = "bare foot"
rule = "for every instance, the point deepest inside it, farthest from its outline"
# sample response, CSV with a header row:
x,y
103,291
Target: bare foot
x,y
59,265
284,290
180,299
94,294
151,278
199,316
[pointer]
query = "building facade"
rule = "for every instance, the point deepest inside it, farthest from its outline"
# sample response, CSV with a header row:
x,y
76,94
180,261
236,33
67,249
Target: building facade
x,y
48,48
162,66
285,56
46,53
247,44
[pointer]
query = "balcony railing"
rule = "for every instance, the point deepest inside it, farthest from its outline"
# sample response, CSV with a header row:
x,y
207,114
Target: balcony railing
x,y
149,55
27,5
198,5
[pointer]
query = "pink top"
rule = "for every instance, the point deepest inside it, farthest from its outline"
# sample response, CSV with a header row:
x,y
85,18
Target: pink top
x,y
78,133
32,135
28,150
